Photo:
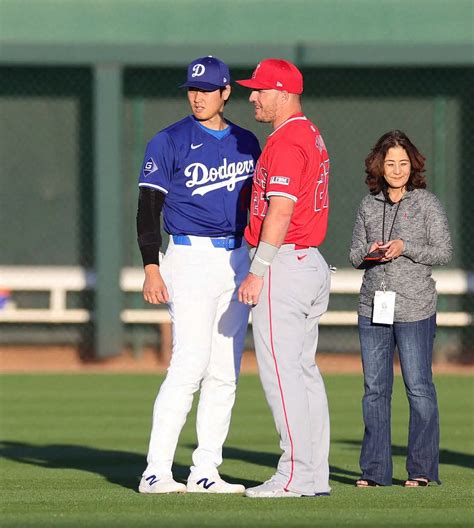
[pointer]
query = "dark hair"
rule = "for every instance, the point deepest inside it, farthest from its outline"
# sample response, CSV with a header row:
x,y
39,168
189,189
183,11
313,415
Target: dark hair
x,y
374,162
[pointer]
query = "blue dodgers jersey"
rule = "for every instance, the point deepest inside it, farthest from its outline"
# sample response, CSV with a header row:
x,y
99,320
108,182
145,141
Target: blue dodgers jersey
x,y
206,181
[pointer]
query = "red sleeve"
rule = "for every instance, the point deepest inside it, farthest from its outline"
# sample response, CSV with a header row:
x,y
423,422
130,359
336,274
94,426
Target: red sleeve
x,y
287,164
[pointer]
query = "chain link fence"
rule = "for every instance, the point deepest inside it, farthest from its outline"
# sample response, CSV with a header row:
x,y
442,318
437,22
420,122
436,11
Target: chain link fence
x,y
47,159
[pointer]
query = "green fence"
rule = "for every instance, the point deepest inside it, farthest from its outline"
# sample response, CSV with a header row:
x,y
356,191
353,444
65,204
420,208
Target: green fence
x,y
49,152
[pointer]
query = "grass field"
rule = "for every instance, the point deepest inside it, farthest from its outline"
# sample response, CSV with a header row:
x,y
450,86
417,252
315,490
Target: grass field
x,y
73,448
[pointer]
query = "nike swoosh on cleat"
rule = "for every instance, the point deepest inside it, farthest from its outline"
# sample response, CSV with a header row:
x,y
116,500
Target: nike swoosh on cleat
x,y
301,257
193,147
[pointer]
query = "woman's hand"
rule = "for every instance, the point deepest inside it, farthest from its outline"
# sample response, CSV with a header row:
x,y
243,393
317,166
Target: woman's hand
x,y
375,245
394,249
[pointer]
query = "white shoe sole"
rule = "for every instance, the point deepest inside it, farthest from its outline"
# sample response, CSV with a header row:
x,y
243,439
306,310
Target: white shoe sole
x,y
172,487
192,487
280,494
162,492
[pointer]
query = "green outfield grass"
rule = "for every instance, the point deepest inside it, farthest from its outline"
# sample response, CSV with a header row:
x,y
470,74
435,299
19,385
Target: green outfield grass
x,y
73,448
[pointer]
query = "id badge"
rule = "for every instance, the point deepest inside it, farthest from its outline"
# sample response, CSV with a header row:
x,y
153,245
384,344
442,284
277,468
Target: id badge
x,y
384,307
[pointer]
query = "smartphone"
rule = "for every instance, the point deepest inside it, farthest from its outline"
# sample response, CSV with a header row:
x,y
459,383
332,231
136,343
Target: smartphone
x,y
378,254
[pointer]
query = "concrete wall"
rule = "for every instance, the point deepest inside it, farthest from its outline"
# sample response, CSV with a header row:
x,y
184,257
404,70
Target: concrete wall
x,y
279,22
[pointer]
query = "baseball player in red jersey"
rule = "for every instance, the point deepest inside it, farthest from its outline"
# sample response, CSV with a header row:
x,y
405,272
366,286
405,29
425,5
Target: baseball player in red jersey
x,y
288,284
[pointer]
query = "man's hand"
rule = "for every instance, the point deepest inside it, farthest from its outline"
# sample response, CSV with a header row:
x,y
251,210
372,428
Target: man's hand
x,y
154,287
250,289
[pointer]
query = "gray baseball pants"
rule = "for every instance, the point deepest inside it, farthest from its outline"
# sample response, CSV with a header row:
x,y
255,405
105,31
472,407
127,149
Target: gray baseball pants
x,y
285,329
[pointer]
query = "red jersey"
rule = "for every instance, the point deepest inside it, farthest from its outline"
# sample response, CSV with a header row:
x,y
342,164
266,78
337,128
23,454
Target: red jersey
x,y
295,164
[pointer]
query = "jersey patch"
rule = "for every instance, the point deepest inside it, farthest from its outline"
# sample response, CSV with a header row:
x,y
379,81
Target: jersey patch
x,y
281,180
150,167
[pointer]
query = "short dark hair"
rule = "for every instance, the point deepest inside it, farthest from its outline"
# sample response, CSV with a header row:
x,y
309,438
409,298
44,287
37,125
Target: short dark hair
x,y
374,162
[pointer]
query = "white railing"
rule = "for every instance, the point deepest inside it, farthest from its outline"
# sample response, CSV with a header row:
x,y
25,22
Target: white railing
x,y
58,281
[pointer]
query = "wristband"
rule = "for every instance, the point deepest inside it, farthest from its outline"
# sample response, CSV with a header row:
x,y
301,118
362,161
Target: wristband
x,y
263,258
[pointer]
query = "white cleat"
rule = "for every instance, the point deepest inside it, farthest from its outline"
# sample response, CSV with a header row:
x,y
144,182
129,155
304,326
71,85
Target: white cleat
x,y
153,484
213,485
271,489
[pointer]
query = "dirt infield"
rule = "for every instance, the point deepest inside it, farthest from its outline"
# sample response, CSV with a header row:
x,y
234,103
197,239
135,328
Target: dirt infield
x,y
67,359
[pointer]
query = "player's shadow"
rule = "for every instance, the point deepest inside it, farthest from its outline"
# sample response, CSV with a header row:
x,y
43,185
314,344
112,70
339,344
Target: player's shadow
x,y
337,474
344,475
124,468
117,467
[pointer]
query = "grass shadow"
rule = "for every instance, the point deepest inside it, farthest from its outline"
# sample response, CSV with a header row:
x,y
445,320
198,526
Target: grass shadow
x,y
336,474
446,456
124,468
117,467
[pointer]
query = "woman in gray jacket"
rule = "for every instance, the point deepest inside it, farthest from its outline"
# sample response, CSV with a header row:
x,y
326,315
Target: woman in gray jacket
x,y
401,231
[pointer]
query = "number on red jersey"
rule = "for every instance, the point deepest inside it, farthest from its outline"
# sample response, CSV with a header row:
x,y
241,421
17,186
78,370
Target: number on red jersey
x,y
321,197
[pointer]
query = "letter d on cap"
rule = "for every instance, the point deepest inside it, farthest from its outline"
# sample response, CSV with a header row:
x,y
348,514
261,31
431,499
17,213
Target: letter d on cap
x,y
198,70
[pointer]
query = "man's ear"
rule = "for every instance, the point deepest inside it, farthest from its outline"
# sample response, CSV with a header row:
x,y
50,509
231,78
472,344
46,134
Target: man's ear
x,y
285,96
226,92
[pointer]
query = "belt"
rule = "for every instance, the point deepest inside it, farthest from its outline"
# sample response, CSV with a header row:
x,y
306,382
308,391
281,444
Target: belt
x,y
228,243
292,246
295,246
299,246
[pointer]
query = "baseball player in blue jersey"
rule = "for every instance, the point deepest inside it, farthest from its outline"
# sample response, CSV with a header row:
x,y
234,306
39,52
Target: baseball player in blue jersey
x,y
197,175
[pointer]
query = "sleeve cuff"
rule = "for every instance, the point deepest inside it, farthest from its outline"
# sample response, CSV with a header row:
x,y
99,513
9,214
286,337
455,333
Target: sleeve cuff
x,y
150,254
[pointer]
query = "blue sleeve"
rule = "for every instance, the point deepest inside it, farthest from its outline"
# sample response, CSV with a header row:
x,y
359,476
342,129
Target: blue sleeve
x,y
257,150
158,163
255,146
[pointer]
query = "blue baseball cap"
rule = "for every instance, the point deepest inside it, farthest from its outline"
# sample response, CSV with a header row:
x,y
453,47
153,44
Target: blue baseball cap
x,y
207,73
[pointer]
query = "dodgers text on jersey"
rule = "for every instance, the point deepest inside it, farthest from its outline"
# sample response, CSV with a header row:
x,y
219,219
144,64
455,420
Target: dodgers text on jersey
x,y
229,174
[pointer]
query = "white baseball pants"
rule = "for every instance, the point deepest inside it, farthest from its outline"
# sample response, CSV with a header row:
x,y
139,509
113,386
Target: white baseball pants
x,y
285,328
209,327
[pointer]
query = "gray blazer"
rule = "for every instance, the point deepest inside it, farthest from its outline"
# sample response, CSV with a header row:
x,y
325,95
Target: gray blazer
x,y
422,224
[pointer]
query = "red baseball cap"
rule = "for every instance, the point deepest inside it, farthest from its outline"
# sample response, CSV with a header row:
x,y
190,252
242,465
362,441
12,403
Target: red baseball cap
x,y
275,74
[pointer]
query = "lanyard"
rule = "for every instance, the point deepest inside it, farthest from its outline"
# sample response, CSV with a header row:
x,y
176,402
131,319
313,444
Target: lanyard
x,y
382,285
393,222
